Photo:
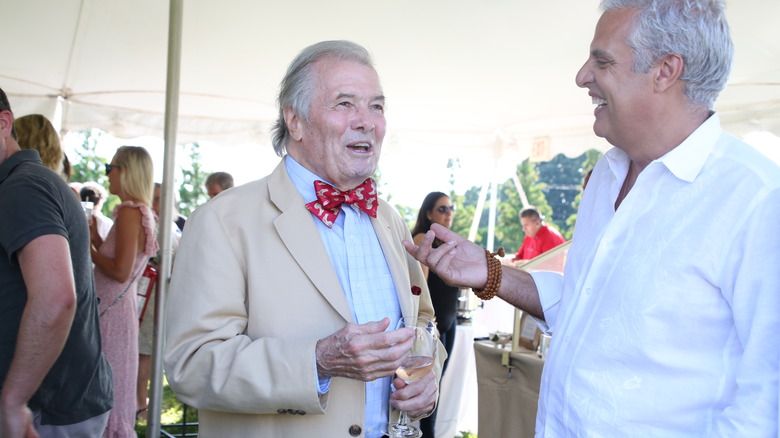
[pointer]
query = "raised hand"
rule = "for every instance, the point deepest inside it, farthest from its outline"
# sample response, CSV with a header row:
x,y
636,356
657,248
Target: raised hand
x,y
457,261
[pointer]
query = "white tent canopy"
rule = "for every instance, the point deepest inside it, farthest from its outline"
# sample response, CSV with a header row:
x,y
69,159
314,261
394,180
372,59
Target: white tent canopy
x,y
464,79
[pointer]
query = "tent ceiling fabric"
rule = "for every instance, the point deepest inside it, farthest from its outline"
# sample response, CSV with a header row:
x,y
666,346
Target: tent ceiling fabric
x,y
474,79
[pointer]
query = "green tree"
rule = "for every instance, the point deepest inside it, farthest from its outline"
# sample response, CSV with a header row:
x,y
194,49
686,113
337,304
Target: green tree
x,y
461,220
509,230
88,166
192,192
589,162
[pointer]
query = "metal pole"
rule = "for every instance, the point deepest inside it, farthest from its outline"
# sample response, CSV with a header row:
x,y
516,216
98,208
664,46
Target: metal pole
x,y
166,213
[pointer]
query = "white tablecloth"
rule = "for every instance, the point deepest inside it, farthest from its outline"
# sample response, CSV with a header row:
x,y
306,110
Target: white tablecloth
x,y
458,409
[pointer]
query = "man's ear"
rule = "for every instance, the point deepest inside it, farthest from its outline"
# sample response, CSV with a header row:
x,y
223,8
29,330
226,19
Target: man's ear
x,y
294,123
6,123
670,68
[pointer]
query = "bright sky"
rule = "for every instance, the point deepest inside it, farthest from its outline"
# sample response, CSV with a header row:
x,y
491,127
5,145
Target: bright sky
x,y
407,179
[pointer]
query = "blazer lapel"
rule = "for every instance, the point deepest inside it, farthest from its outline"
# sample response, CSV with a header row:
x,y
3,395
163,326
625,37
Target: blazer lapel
x,y
300,236
396,257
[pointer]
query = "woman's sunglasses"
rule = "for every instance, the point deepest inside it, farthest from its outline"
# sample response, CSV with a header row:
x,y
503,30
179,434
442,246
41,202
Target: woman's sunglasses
x,y
444,208
111,166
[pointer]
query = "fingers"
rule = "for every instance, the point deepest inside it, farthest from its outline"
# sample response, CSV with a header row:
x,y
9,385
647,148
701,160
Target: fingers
x,y
421,251
364,352
416,398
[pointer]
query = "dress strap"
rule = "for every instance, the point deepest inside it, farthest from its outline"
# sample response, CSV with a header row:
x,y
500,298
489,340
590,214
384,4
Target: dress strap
x,y
148,220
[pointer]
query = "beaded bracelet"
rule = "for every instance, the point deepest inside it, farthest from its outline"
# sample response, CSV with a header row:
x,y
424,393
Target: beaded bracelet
x,y
493,275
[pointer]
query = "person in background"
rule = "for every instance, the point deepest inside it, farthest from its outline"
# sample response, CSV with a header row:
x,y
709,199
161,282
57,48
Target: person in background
x,y
119,261
67,169
75,187
146,330
284,288
54,380
35,131
96,194
437,208
539,237
218,182
665,320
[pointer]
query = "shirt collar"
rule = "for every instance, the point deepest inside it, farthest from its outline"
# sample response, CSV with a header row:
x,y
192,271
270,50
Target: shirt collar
x,y
16,159
684,161
302,178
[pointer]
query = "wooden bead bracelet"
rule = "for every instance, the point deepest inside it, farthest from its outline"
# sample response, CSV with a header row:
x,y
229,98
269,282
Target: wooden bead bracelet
x,y
493,275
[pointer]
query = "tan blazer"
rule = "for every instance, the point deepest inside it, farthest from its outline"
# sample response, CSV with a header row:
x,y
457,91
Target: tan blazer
x,y
252,292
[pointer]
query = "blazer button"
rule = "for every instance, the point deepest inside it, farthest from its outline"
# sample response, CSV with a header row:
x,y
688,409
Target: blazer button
x,y
355,430
300,412
281,411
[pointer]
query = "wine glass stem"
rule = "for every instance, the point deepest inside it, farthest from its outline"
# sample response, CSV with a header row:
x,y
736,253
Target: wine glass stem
x,y
403,420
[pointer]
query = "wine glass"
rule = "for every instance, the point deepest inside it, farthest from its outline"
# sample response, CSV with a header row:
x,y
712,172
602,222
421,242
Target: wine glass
x,y
414,367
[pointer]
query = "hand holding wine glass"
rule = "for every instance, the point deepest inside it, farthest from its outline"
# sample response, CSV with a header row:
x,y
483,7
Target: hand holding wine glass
x,y
414,367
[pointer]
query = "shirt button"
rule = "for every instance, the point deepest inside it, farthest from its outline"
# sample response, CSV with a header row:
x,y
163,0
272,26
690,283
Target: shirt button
x,y
355,430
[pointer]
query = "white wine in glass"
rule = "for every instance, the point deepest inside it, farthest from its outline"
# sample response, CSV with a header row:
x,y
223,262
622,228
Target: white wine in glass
x,y
415,367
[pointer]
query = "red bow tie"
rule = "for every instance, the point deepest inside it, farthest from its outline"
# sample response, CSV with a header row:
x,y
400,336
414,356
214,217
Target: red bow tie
x,y
329,200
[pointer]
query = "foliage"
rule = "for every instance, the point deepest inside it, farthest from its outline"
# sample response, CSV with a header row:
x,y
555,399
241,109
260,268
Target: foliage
x,y
172,413
461,220
192,192
563,176
509,231
409,214
89,167
553,187
591,157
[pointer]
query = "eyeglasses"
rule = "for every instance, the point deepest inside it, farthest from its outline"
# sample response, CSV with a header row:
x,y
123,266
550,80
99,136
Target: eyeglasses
x,y
109,167
445,208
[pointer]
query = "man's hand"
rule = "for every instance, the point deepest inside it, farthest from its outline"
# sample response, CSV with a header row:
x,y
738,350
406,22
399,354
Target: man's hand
x,y
16,421
363,352
416,398
457,261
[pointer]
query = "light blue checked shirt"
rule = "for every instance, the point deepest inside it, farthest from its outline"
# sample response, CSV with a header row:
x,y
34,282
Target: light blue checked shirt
x,y
361,267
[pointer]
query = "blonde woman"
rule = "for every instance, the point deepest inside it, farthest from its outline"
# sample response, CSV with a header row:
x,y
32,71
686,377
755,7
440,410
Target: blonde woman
x,y
119,261
35,131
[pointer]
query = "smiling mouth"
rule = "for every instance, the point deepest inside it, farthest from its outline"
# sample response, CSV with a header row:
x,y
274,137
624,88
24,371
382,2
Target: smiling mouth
x,y
599,102
360,147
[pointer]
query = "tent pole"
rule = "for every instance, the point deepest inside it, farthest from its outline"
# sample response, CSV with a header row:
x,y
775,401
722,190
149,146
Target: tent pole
x,y
491,234
520,191
166,213
478,211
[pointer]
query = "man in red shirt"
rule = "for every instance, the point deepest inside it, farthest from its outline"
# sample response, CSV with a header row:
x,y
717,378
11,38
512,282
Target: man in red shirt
x,y
539,238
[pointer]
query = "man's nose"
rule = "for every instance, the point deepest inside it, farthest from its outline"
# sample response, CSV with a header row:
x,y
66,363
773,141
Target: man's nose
x,y
584,76
363,120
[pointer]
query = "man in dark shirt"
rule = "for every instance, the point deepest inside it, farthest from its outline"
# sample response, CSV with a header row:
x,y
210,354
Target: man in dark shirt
x,y
54,379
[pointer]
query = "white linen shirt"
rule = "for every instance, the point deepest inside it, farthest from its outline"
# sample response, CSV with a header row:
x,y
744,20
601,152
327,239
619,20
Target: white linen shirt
x,y
666,322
